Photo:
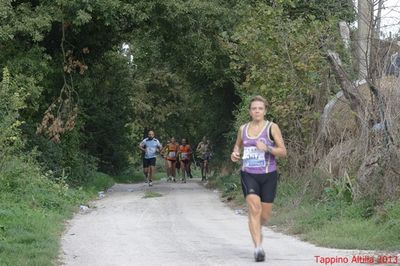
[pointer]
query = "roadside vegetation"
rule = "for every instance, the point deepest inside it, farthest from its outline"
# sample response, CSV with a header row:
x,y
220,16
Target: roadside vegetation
x,y
323,214
33,210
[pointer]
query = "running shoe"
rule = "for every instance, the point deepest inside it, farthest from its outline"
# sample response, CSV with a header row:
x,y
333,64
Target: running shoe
x,y
150,183
259,255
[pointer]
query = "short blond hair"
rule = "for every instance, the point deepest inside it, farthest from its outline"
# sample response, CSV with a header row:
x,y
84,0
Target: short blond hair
x,y
258,98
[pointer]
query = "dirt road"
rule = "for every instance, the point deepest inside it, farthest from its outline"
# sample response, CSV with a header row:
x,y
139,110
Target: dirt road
x,y
187,225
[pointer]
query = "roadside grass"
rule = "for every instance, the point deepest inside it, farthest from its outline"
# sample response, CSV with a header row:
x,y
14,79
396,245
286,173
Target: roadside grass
x,y
335,222
151,194
126,178
355,233
316,215
99,181
230,188
29,236
33,211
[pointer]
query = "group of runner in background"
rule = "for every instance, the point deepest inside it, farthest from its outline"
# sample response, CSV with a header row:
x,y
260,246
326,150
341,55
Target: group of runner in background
x,y
178,158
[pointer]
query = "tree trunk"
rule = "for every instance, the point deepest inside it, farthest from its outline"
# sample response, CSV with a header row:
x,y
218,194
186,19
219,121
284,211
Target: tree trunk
x,y
346,85
365,18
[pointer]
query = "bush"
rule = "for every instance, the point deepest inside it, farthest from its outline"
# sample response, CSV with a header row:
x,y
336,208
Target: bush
x,y
98,181
33,207
10,102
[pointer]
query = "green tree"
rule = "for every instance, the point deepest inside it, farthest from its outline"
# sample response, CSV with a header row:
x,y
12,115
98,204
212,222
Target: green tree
x,y
280,48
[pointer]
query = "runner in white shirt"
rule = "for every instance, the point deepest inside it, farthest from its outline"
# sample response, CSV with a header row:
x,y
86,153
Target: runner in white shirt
x,y
150,146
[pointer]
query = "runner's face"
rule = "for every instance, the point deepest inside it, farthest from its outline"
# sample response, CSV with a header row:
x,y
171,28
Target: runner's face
x,y
183,141
257,110
173,140
151,134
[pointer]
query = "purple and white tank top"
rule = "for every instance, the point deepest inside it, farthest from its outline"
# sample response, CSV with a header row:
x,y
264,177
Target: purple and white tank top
x,y
256,161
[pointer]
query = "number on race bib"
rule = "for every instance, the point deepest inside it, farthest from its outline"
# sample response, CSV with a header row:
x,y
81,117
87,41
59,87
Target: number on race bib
x,y
253,157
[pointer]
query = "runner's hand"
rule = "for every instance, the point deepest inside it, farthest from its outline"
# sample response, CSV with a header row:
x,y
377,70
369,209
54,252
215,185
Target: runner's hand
x,y
235,156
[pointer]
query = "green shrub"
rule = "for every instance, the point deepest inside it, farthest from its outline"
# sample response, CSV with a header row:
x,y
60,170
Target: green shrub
x,y
98,181
11,101
33,207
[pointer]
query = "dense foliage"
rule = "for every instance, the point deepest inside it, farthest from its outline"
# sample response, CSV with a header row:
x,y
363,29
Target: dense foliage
x,y
96,75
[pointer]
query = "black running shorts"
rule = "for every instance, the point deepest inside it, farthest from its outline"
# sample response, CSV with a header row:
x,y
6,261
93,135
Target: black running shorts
x,y
263,185
149,162
186,161
204,157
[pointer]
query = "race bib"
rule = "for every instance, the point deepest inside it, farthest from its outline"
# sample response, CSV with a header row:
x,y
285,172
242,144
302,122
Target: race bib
x,y
171,154
184,155
253,157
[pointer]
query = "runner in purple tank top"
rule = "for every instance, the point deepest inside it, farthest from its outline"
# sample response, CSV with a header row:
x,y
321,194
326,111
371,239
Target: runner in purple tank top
x,y
256,161
261,142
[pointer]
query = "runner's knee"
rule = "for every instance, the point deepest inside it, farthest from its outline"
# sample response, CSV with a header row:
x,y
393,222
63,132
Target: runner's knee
x,y
254,208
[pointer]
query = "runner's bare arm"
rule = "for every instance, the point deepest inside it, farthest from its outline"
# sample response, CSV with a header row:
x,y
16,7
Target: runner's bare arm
x,y
141,147
279,150
162,151
235,155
